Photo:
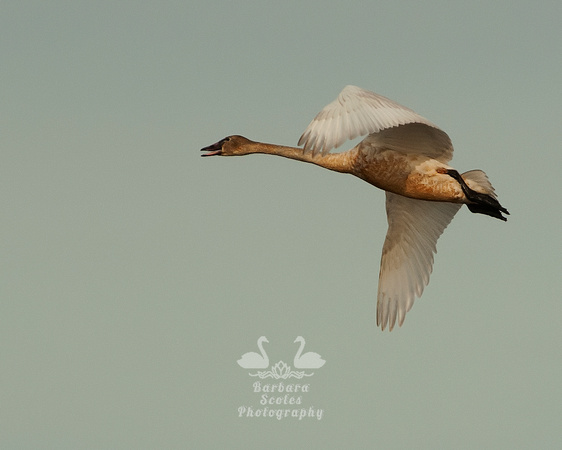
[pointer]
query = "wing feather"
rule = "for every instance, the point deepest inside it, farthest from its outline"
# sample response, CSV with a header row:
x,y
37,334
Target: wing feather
x,y
407,256
357,112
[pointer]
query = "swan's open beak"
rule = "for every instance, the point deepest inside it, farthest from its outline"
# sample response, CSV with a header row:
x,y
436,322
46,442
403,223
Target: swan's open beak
x,y
215,149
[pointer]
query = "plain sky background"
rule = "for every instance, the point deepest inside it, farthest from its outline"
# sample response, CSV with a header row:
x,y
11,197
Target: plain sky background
x,y
134,273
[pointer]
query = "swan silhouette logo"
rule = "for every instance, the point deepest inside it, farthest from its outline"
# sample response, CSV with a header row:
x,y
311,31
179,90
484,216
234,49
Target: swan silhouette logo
x,y
253,360
281,370
280,399
309,360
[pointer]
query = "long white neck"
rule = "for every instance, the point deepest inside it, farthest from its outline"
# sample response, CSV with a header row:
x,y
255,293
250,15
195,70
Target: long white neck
x,y
260,347
300,350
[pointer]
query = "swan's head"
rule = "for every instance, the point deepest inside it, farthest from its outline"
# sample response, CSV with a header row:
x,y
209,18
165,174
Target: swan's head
x,y
229,146
263,339
299,339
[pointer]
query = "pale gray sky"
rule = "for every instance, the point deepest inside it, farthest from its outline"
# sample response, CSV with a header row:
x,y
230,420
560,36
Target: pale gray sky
x,y
135,273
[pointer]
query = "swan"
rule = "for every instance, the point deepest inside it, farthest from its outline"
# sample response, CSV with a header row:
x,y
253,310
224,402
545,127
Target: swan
x,y
309,360
405,155
253,360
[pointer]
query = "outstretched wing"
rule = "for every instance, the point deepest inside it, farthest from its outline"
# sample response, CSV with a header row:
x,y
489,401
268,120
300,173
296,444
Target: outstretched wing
x,y
357,112
407,255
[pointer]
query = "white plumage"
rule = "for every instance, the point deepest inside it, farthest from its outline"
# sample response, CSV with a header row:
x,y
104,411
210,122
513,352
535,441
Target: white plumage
x,y
356,112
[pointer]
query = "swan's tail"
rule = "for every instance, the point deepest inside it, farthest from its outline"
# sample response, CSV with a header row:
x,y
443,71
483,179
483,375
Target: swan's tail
x,y
480,192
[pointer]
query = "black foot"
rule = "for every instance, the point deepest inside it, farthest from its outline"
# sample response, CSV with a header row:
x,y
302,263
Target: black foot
x,y
481,203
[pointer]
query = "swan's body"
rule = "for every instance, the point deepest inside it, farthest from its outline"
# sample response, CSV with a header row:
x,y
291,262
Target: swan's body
x,y
253,360
309,360
405,155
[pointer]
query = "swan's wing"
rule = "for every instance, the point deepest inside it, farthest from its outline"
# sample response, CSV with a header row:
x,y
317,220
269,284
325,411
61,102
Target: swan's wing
x,y
407,255
357,112
412,138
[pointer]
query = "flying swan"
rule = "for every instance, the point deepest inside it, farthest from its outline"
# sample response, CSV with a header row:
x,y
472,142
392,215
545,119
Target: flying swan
x,y
403,154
